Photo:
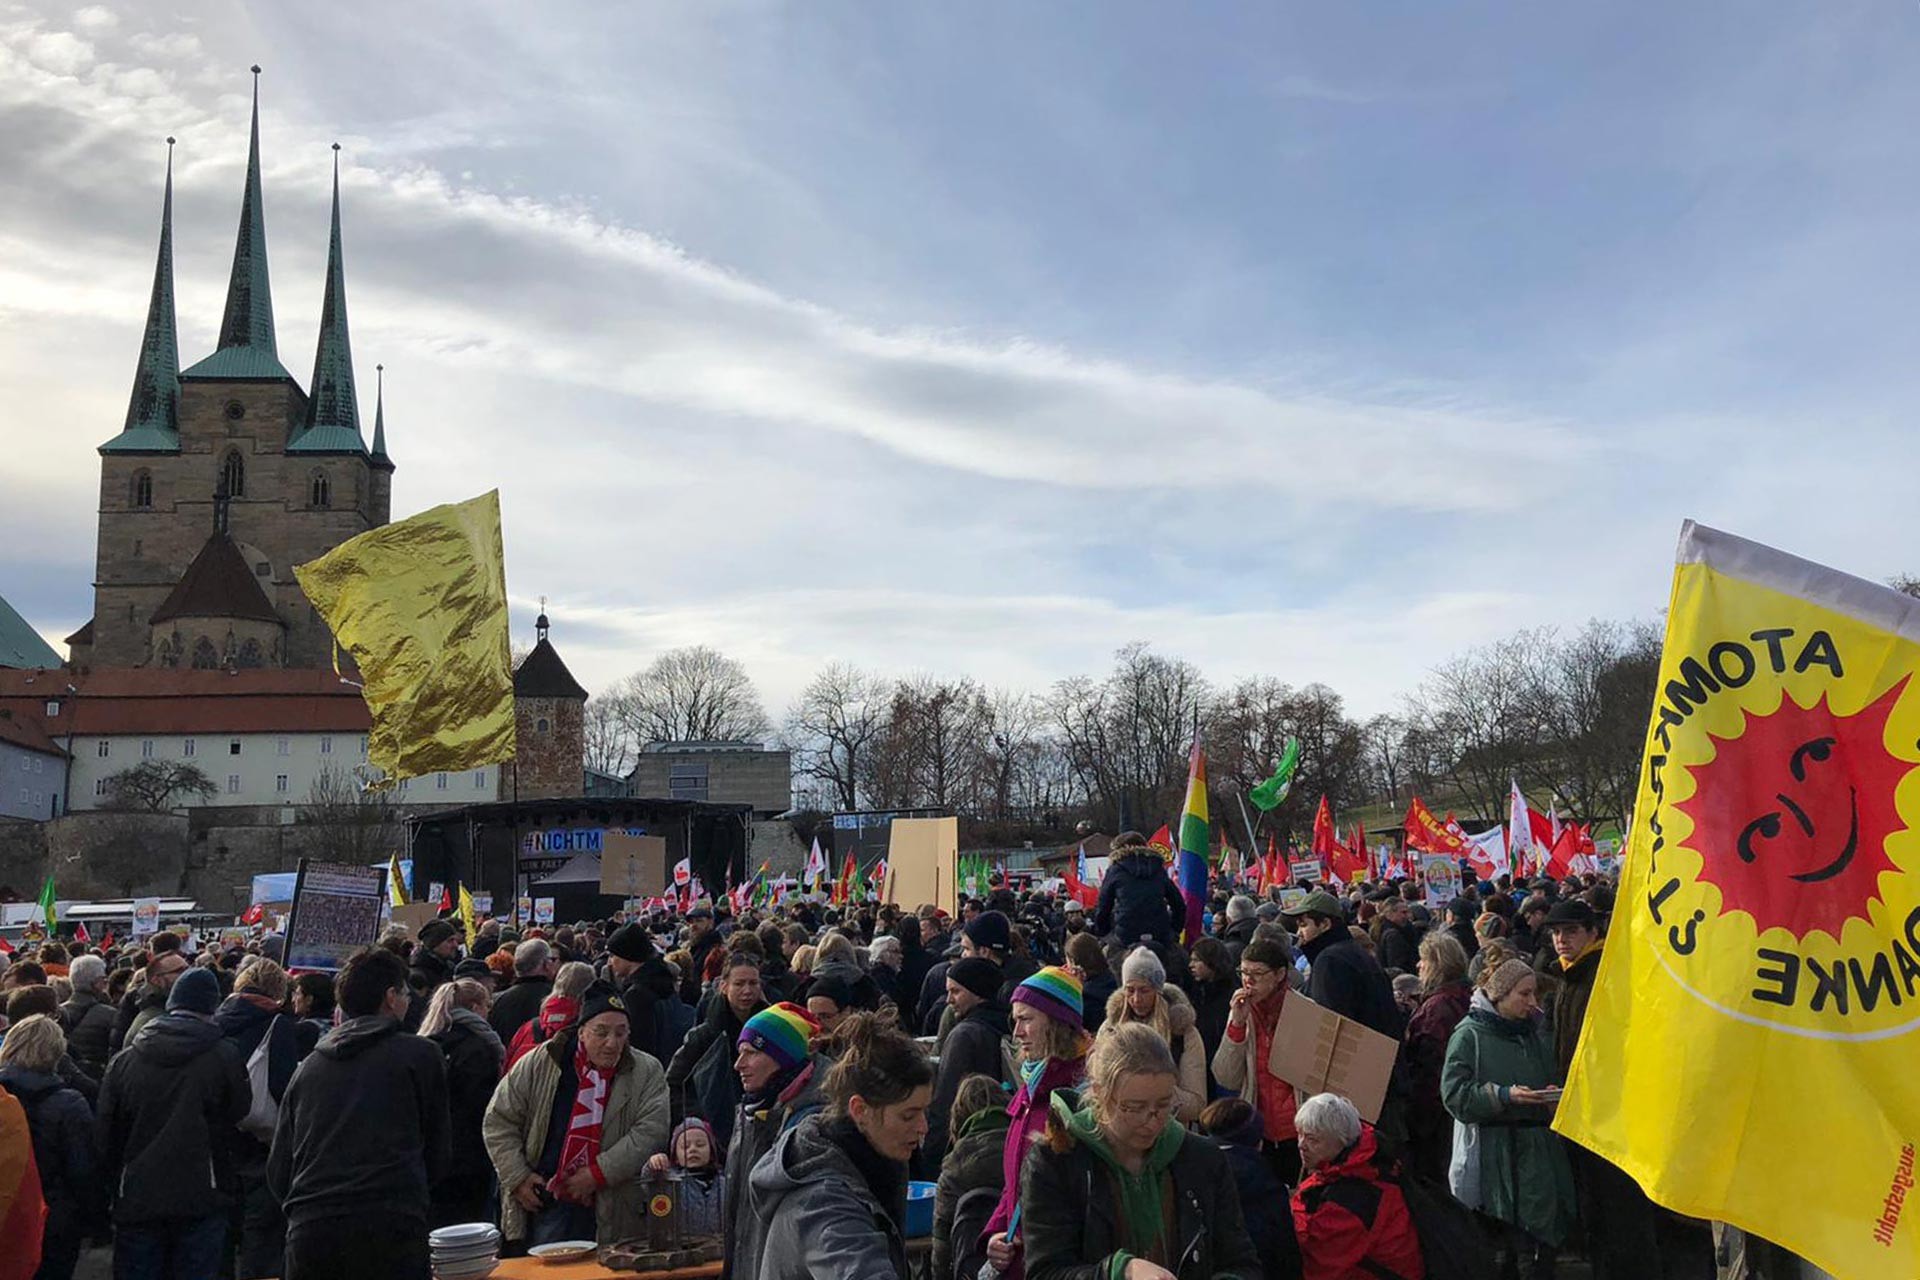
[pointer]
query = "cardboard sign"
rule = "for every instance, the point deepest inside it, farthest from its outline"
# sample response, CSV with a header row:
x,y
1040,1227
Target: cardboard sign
x,y
336,911
1442,875
543,910
1307,869
631,865
1317,1051
923,857
414,914
146,916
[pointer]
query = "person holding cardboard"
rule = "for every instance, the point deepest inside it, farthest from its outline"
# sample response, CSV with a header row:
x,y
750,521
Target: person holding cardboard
x,y
1245,1058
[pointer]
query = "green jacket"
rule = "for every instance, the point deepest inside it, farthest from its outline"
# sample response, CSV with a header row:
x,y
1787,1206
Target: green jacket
x,y
1524,1175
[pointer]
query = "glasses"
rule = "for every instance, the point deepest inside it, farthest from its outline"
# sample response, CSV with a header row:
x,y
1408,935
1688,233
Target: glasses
x,y
1136,1112
1255,974
615,1032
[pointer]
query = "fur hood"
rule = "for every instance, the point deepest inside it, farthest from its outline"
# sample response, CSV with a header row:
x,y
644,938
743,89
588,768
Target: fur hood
x,y
1172,1013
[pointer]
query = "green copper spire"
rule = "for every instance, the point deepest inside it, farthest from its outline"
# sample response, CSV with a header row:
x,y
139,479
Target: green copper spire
x,y
153,423
333,408
247,348
380,458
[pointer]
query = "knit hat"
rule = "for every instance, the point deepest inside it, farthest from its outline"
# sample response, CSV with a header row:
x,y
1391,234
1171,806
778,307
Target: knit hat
x,y
598,999
1054,992
630,942
1500,983
781,1032
690,1124
832,987
990,929
478,970
978,975
435,932
195,991
1141,965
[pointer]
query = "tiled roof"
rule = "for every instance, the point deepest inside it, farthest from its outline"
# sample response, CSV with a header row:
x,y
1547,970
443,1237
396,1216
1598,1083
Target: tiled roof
x,y
161,701
218,584
543,675
27,733
20,644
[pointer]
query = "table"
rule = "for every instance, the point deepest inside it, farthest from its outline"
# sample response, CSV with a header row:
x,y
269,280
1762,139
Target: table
x,y
588,1269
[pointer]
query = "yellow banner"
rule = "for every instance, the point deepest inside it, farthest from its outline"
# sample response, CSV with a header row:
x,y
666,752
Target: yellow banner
x,y
1750,1051
422,606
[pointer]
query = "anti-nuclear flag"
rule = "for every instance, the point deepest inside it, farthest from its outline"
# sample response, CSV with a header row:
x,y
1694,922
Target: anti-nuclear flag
x,y
421,605
1749,1051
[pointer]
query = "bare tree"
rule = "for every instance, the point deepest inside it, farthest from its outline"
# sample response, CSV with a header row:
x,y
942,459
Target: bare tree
x,y
345,821
1480,713
1386,746
830,729
1907,583
610,746
1127,736
932,748
695,694
1249,731
153,785
1014,730
1593,706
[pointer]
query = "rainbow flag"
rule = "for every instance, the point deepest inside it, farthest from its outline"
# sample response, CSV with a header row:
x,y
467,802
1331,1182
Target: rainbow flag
x,y
1196,834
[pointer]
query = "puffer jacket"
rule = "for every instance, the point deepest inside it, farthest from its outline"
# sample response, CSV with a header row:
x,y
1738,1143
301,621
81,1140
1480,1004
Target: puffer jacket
x,y
634,1128
1138,901
1352,1221
972,1164
62,1127
1174,1019
810,1213
755,1130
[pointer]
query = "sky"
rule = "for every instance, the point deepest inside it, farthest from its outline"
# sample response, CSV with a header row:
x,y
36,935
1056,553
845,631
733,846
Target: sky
x,y
1314,341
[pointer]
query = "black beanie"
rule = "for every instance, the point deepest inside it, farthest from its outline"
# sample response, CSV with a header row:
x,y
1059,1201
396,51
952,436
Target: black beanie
x,y
598,999
981,976
630,942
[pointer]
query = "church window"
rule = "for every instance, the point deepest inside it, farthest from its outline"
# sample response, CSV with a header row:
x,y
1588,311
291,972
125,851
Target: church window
x,y
250,654
143,490
205,656
235,411
233,472
540,725
319,492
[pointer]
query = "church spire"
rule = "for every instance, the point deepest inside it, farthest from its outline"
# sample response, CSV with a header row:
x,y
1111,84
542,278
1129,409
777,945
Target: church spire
x,y
380,458
333,407
247,348
153,423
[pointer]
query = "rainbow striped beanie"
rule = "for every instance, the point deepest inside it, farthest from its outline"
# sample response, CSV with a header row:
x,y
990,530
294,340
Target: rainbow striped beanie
x,y
781,1032
1054,992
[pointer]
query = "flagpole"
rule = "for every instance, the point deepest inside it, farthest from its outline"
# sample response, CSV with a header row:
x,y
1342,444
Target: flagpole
x,y
1252,840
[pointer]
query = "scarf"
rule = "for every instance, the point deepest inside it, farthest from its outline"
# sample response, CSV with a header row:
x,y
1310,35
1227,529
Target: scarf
x,y
886,1179
581,1147
1143,1201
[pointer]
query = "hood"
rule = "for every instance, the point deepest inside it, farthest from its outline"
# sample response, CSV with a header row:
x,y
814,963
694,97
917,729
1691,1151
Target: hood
x,y
557,1013
1242,930
27,1085
243,1012
653,977
356,1035
721,1015
1140,865
1079,1121
478,1026
801,1155
1481,1010
991,1120
845,970
1173,1014
173,1039
1357,1161
425,960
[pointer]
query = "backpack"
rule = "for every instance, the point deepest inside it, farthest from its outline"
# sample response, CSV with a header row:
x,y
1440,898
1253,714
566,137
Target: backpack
x,y
970,1217
1451,1242
263,1114
673,1018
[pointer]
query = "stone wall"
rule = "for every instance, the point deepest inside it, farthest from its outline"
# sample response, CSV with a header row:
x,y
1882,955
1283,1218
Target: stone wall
x,y
545,765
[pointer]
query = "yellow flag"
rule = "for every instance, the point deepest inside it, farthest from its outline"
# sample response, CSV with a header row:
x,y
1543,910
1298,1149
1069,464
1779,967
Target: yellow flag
x,y
422,607
396,883
1752,1050
465,914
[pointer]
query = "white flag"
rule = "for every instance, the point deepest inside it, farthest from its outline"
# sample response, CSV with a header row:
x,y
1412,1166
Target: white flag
x,y
816,865
1524,855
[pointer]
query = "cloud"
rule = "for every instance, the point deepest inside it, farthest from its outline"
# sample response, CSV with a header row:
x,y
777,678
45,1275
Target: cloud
x,y
95,18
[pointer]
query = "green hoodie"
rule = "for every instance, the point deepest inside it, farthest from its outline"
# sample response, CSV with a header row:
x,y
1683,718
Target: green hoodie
x,y
1142,1205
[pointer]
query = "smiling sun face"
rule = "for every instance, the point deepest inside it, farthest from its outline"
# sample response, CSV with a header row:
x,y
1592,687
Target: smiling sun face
x,y
1791,816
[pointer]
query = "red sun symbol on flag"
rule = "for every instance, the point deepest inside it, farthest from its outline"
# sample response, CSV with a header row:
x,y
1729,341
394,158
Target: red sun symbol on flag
x,y
1791,817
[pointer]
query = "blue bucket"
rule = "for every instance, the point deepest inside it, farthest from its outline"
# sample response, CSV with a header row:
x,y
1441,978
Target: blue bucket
x,y
919,1209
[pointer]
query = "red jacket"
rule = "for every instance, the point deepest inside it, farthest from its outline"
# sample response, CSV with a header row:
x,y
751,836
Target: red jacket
x,y
1349,1211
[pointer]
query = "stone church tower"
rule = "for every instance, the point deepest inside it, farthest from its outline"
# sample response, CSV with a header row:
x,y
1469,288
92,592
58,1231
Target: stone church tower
x,y
229,473
549,727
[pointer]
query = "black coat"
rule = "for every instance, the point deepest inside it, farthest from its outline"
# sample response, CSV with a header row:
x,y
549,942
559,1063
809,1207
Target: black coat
x,y
473,1070
700,1079
1263,1205
1212,1001
972,1048
1238,935
61,1123
1138,901
166,1106
1349,981
88,1021
694,978
1400,946
518,1005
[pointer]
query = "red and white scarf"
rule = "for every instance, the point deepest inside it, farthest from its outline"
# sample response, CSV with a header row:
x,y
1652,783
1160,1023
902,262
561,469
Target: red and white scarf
x,y
581,1147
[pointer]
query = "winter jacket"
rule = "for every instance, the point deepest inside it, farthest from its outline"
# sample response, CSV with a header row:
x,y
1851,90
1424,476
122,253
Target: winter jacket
x,y
971,1164
363,1127
426,971
1463,933
1351,1220
700,1079
245,1020
1569,1012
518,1005
643,992
973,1047
1237,935
1424,1054
1524,1175
634,1128
1344,978
147,1006
556,1015
756,1128
1400,946
811,1214
1028,1114
1236,1067
1212,1003
695,977
88,1022
166,1104
1094,995
1173,1018
473,1054
62,1126
134,1002
703,1204
1079,1207
1138,901
1263,1201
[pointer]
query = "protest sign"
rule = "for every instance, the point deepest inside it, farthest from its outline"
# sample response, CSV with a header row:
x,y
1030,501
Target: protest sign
x,y
336,911
483,904
146,917
543,910
1317,1051
1292,897
923,855
632,865
410,916
522,909
1307,869
1442,875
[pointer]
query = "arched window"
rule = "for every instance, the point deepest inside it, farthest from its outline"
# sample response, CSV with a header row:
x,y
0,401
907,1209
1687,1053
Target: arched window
x,y
205,656
234,473
540,725
249,655
166,654
143,490
319,492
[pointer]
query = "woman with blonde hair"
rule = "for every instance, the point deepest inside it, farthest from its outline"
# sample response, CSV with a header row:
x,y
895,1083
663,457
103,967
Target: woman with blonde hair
x,y
1145,997
253,1015
456,1021
1121,1187
1445,997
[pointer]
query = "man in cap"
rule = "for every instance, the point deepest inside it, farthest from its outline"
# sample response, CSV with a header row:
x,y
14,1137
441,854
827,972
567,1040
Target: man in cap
x,y
702,938
1343,976
646,987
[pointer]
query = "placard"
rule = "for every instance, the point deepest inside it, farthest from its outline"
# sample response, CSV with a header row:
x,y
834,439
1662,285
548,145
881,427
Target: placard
x,y
1317,1051
336,911
1307,869
632,865
412,915
1291,897
543,910
1442,875
522,910
435,892
923,857
483,904
146,917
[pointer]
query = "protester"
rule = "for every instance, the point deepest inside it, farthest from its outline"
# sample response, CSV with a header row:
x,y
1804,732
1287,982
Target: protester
x,y
1138,903
1048,1029
970,1179
433,959
1118,1184
700,1078
1243,918
362,1135
560,1010
268,1044
702,941
1499,1077
1145,997
1349,1215
830,1199
781,1078
1086,957
1212,978
1398,937
1235,1128
146,999
470,1048
647,988
534,965
311,1000
167,1104
61,1123
1342,976
1461,913
1446,996
1246,1057
571,1128
87,1016
972,1047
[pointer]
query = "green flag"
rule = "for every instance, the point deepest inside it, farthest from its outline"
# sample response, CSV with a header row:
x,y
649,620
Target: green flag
x,y
47,906
1270,794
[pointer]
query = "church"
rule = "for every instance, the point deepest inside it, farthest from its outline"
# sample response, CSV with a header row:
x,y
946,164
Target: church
x,y
228,473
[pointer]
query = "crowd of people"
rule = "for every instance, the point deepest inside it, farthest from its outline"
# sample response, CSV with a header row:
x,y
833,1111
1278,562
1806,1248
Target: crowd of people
x,y
1090,1098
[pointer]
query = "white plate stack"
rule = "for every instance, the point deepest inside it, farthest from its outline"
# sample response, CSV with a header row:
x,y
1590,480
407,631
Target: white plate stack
x,y
469,1251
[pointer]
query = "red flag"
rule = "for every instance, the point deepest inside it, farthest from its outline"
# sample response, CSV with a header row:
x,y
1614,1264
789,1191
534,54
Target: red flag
x,y
6,948
446,898
1083,893
1560,862
843,887
1324,840
254,914
1428,834
106,943
80,933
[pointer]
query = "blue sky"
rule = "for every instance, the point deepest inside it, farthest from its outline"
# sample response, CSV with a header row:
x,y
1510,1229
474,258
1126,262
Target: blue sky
x,y
1320,341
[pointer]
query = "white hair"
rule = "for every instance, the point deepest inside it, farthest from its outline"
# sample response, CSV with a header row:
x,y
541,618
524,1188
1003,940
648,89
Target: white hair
x,y
530,957
1241,907
881,946
87,972
1328,1115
